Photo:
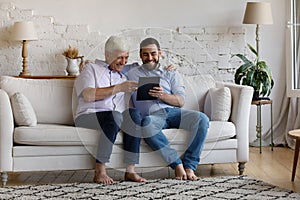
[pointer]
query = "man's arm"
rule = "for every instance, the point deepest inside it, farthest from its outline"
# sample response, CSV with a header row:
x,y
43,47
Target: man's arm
x,y
171,99
96,94
176,94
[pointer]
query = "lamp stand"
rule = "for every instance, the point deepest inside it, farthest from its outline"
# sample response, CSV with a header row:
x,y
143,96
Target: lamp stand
x,y
25,71
257,40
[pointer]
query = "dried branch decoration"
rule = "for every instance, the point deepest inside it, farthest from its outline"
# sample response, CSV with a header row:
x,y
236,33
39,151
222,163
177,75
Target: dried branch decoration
x,y
71,52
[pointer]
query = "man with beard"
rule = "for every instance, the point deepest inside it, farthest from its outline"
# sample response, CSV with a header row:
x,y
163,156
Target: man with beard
x,y
166,112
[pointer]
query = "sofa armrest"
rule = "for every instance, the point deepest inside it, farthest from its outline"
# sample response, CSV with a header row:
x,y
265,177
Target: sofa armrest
x,y
240,115
6,132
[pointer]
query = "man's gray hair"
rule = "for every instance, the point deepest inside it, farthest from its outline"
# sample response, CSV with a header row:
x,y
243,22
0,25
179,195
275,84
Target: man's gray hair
x,y
116,43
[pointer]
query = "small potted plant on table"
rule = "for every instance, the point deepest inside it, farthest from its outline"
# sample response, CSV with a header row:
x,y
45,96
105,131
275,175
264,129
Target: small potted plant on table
x,y
256,74
73,61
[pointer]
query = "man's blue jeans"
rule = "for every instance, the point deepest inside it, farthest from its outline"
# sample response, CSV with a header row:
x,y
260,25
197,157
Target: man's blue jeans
x,y
195,122
109,124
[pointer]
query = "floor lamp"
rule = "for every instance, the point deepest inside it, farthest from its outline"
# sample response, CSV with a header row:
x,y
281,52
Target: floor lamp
x,y
24,31
258,13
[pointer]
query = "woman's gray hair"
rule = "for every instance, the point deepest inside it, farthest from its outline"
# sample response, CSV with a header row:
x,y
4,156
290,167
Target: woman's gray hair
x,y
116,43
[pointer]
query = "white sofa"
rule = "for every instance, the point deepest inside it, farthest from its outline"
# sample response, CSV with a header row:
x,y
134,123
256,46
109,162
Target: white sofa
x,y
55,144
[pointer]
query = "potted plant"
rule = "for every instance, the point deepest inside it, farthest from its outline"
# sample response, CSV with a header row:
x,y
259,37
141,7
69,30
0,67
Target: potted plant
x,y
256,74
74,61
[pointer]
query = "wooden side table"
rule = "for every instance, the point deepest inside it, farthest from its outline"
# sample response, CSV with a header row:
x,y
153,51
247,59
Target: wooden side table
x,y
258,104
47,77
295,134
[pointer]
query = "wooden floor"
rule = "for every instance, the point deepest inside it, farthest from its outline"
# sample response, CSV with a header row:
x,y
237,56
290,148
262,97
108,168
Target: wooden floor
x,y
274,167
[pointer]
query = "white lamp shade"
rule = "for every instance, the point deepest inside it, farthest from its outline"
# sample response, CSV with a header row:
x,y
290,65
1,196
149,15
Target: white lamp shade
x,y
258,13
24,31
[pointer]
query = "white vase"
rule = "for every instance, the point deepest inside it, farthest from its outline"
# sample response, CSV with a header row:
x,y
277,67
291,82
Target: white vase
x,y
73,66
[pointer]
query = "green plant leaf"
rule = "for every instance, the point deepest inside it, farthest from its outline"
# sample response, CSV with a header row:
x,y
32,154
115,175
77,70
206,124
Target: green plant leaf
x,y
244,68
241,71
242,57
252,50
249,77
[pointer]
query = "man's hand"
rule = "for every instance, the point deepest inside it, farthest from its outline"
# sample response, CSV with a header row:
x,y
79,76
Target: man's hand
x,y
171,99
171,67
83,63
156,92
127,86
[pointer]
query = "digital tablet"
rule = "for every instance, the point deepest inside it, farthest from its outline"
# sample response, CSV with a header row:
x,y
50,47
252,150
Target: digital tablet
x,y
144,85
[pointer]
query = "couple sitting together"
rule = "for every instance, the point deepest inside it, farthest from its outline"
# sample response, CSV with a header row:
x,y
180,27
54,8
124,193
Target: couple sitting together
x,y
102,89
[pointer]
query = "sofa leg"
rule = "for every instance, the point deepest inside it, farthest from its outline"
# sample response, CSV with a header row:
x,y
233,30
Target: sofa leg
x,y
4,177
241,167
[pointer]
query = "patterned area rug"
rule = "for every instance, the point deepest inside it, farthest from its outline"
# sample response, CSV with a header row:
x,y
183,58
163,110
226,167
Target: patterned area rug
x,y
230,187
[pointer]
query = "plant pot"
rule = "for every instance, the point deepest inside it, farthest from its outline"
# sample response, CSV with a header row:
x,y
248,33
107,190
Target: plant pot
x,y
256,97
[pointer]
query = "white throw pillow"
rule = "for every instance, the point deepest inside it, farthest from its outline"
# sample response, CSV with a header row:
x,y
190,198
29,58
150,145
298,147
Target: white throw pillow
x,y
218,104
24,114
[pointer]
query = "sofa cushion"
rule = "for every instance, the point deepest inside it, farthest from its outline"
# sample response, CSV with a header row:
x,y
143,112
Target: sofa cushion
x,y
217,131
218,104
196,88
51,99
51,134
24,114
54,134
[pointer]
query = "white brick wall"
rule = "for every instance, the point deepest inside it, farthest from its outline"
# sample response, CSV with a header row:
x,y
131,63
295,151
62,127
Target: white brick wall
x,y
192,49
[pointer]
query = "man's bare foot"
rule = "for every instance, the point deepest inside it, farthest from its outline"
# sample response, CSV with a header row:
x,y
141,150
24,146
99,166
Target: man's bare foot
x,y
134,177
191,175
101,176
180,173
